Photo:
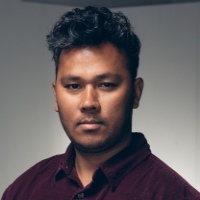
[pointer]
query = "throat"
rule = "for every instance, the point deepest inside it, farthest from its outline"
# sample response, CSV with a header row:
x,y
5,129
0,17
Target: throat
x,y
86,166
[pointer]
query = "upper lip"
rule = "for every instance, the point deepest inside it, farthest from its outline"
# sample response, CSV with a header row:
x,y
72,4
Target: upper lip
x,y
90,122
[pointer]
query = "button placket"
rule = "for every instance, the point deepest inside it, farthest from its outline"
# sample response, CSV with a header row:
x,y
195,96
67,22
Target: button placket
x,y
81,195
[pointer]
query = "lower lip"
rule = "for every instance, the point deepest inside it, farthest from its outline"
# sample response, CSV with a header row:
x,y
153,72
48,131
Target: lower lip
x,y
90,126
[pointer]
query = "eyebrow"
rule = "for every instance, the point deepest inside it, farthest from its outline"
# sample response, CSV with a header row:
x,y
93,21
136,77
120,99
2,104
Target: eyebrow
x,y
71,78
100,76
108,75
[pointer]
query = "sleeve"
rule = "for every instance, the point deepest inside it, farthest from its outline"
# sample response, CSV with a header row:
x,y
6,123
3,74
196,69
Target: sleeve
x,y
6,194
30,179
13,190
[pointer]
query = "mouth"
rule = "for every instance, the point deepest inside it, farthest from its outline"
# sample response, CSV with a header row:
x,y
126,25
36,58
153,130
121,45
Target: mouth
x,y
90,124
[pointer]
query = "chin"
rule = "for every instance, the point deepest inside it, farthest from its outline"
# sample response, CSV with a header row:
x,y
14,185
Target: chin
x,y
93,147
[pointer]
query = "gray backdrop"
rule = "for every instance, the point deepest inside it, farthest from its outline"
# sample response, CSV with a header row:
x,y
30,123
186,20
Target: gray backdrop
x,y
170,107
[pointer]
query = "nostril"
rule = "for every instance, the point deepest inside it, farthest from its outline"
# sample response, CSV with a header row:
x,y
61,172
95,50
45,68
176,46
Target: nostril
x,y
89,108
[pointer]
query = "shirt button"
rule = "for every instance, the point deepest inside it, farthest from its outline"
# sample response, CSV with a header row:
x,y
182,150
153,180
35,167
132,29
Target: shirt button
x,y
81,195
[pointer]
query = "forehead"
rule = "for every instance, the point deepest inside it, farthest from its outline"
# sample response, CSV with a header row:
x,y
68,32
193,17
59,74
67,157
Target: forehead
x,y
95,59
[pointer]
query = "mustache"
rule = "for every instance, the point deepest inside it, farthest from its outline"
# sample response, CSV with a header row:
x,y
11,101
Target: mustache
x,y
90,117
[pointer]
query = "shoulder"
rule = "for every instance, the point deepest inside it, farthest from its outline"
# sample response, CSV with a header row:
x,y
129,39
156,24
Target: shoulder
x,y
164,181
43,169
43,166
161,169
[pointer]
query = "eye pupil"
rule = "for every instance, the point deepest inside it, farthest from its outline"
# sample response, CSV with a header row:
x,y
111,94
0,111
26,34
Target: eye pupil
x,y
74,86
108,85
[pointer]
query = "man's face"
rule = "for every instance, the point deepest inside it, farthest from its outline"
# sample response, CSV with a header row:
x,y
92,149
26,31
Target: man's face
x,y
94,97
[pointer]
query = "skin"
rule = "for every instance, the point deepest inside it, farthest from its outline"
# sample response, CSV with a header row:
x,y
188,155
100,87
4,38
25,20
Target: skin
x,y
94,96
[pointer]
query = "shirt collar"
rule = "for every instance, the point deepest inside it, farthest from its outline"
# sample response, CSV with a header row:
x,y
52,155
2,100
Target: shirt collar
x,y
66,164
116,168
126,160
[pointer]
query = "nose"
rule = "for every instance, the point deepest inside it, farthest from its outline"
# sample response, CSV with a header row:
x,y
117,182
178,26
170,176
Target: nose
x,y
89,100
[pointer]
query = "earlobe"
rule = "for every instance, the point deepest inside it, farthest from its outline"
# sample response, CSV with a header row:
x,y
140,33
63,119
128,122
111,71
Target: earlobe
x,y
138,87
56,107
55,97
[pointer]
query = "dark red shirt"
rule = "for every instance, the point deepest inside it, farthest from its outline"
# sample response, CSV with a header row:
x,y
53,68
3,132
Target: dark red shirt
x,y
132,174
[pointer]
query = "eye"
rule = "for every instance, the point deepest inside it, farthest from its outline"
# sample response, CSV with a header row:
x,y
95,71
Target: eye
x,y
107,85
73,86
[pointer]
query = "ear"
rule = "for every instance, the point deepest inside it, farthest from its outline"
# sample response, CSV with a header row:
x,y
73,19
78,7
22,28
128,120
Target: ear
x,y
138,87
55,97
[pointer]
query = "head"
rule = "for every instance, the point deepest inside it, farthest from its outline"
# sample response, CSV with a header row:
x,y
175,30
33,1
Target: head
x,y
96,56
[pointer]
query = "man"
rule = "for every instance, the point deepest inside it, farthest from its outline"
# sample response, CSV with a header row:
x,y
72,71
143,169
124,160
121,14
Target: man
x,y
96,56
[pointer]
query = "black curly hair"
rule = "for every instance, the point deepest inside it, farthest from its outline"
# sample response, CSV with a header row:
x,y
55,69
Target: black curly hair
x,y
93,26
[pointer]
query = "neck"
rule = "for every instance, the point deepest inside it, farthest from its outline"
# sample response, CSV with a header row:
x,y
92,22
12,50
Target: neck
x,y
87,163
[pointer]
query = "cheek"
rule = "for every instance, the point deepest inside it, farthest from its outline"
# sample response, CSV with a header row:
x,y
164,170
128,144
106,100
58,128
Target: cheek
x,y
67,104
116,104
